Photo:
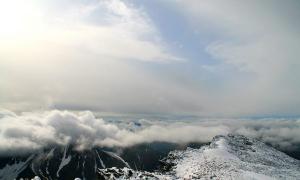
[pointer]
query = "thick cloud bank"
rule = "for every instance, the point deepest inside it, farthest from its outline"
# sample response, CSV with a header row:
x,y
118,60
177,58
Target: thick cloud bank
x,y
36,130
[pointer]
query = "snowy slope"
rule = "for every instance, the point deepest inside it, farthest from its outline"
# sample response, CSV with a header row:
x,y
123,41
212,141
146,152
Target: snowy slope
x,y
227,157
234,157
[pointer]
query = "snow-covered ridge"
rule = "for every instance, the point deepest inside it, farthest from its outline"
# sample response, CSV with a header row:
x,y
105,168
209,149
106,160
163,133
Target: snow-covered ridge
x,y
227,157
234,157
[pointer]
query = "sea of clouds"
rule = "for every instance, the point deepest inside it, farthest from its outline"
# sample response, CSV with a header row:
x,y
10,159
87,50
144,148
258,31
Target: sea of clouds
x,y
30,131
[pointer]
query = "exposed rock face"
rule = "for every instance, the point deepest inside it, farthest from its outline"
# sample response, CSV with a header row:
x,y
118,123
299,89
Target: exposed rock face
x,y
60,163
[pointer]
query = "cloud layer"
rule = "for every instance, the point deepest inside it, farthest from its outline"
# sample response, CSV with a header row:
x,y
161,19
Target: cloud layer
x,y
198,57
259,39
82,55
30,131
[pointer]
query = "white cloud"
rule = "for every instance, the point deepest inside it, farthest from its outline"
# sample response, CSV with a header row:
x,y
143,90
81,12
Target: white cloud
x,y
30,131
85,54
100,55
259,39
253,35
119,31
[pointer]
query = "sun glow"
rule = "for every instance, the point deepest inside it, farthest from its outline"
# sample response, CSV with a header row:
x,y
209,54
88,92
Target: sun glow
x,y
18,18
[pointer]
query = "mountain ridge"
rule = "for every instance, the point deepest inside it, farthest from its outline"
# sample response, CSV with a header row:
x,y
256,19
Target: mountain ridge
x,y
226,157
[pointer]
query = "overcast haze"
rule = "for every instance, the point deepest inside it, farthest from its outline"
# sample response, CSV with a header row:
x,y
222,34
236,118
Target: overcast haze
x,y
210,58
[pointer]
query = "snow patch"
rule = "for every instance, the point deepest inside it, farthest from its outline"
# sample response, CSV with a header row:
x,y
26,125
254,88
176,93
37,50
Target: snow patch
x,y
114,155
64,161
12,171
101,162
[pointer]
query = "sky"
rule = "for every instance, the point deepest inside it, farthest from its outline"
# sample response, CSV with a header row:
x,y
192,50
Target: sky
x,y
207,58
